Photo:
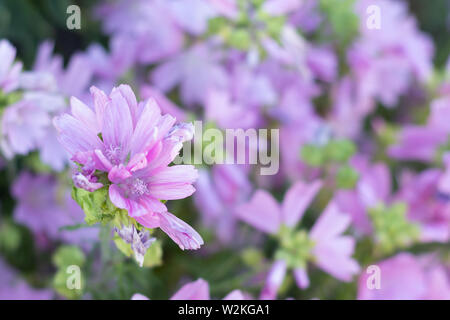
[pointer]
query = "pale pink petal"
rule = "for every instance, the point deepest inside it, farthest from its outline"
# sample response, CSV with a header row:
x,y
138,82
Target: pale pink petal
x,y
174,174
330,223
180,232
235,295
117,125
296,200
138,296
261,212
128,94
197,290
83,113
274,280
150,220
171,191
334,257
145,129
118,174
137,162
101,102
75,136
301,278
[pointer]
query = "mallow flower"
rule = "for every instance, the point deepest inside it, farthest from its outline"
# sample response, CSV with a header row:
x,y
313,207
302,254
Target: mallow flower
x,y
406,277
126,147
195,290
9,70
44,205
324,245
12,287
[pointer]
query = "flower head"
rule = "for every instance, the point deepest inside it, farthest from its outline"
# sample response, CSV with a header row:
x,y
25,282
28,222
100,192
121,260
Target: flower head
x,y
131,145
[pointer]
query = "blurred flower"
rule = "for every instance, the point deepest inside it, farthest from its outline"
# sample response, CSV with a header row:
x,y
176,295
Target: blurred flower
x,y
196,70
9,71
406,277
45,206
330,250
386,61
421,143
14,288
196,290
218,194
149,25
426,205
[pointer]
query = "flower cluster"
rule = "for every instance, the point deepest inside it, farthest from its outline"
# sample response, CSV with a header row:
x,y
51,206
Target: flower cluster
x,y
129,146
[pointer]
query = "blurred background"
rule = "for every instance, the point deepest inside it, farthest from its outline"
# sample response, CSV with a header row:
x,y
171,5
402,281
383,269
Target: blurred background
x,y
33,254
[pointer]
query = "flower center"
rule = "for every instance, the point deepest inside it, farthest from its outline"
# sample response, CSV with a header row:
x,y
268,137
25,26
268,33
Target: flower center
x,y
114,154
138,187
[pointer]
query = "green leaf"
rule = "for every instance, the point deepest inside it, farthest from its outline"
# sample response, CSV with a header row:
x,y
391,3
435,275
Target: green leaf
x,y
97,206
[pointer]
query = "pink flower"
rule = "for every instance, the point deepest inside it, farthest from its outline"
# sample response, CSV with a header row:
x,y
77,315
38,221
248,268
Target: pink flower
x,y
426,204
134,144
149,25
331,250
406,277
218,193
196,290
373,187
195,70
421,142
9,71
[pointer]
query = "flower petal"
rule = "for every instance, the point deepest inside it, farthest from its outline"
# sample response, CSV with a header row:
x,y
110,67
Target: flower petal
x,y
297,199
261,212
180,232
197,290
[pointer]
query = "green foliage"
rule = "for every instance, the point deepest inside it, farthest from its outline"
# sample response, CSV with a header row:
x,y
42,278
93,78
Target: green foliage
x,y
97,206
342,18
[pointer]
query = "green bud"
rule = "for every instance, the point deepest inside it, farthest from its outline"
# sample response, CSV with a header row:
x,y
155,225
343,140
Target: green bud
x,y
295,247
240,39
340,150
392,228
312,155
9,236
274,26
216,24
346,177
252,257
68,255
